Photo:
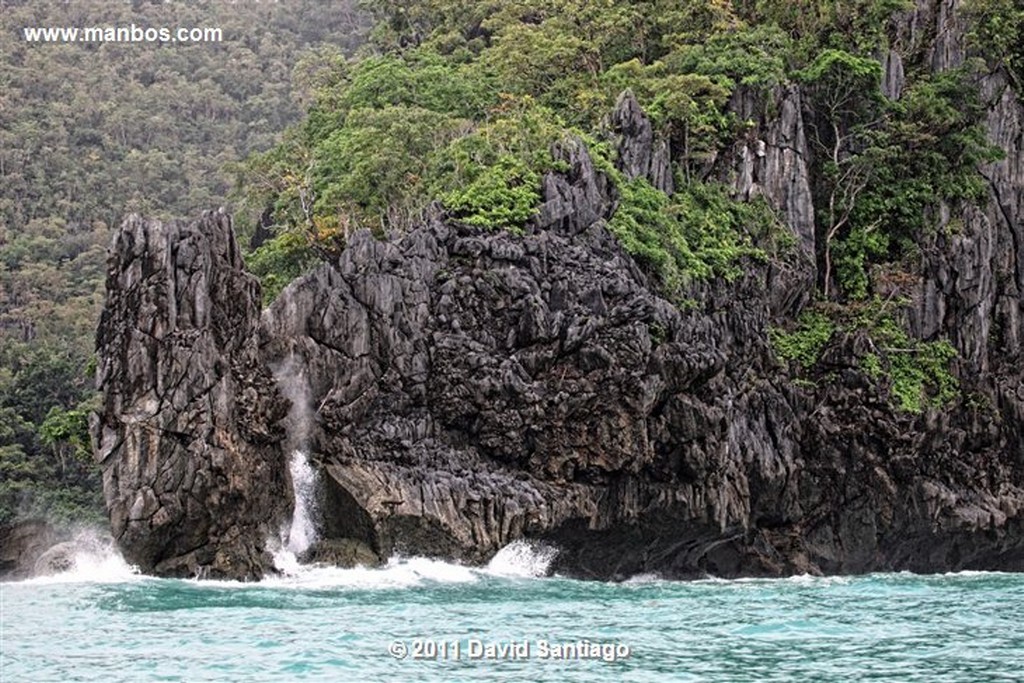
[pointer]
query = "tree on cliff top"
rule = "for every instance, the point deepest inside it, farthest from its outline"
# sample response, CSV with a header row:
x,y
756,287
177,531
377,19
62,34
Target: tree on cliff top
x,y
389,133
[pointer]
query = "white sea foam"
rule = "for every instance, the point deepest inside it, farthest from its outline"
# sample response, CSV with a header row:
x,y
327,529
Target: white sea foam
x,y
523,558
641,579
817,580
798,579
109,567
519,559
398,572
94,563
286,562
968,573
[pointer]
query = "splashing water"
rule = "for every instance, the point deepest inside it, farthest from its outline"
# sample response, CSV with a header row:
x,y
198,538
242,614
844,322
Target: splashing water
x,y
522,558
290,377
397,573
518,560
91,567
302,532
90,557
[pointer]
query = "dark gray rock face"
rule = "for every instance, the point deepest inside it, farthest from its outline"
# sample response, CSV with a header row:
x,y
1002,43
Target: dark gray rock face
x,y
468,389
462,381
577,198
461,389
193,474
343,552
641,153
971,287
773,159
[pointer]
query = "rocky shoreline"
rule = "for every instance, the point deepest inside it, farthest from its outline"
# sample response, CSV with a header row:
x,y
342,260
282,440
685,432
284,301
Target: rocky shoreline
x,y
463,389
460,389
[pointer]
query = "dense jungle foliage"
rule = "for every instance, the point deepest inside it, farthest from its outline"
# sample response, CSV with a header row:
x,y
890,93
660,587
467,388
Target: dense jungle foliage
x,y
457,105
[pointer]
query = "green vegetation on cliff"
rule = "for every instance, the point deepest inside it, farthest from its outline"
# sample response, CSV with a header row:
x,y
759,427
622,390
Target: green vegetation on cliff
x,y
913,374
697,232
461,103
997,29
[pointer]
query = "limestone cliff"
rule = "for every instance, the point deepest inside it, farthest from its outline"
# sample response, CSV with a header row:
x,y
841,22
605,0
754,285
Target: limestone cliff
x,y
472,388
194,477
461,389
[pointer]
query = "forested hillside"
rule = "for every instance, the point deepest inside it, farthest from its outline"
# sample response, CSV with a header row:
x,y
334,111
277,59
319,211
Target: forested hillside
x,y
90,132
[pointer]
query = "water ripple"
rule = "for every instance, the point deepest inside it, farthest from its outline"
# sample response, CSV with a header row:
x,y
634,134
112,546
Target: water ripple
x,y
896,627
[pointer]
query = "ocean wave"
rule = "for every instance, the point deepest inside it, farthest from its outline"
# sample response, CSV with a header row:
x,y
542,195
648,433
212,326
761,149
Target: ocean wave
x,y
519,559
398,572
523,559
92,566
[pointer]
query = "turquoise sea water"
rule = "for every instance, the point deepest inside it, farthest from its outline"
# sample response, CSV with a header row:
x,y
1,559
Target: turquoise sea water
x,y
101,623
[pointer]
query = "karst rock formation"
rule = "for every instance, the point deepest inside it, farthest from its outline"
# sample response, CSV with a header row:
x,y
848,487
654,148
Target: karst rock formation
x,y
462,389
